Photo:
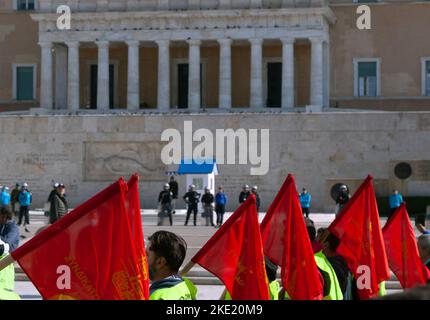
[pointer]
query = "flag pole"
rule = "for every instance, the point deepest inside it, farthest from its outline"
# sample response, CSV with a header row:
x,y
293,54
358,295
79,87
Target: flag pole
x,y
6,261
223,294
187,268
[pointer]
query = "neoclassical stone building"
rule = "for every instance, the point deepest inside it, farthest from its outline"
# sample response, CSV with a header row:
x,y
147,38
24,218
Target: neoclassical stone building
x,y
161,55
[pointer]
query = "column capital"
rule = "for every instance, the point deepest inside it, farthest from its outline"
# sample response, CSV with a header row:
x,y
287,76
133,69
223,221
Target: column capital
x,y
45,44
256,41
288,40
194,42
102,44
163,43
72,44
316,40
133,43
225,42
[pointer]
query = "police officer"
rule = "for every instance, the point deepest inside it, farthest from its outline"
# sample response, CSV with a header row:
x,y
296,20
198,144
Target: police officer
x,y
254,191
207,201
244,194
166,253
342,198
165,199
191,198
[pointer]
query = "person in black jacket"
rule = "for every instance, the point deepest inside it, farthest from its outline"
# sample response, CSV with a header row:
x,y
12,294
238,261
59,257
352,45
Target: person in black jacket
x,y
342,198
207,202
191,198
58,204
244,194
174,189
257,197
165,199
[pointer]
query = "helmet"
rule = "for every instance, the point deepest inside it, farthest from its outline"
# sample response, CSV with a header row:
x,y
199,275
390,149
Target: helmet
x,y
25,185
255,188
166,186
56,185
207,189
245,186
192,186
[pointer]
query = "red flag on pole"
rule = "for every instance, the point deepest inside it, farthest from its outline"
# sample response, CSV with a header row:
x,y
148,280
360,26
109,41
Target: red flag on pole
x,y
402,250
235,255
88,254
361,243
286,242
132,204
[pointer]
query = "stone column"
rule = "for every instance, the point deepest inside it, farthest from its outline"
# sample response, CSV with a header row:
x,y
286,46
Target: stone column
x,y
288,73
73,95
225,74
60,77
317,71
194,98
46,90
133,96
256,74
103,76
163,97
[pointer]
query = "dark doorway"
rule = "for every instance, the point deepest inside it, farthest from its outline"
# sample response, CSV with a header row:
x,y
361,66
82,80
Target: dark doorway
x,y
183,85
93,83
274,84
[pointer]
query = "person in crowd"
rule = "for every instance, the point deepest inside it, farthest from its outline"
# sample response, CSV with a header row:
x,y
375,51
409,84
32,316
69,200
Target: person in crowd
x,y
220,203
316,245
9,241
244,194
166,252
342,198
424,249
14,198
191,198
165,199
5,197
254,191
24,199
174,189
207,202
422,229
395,200
305,202
58,204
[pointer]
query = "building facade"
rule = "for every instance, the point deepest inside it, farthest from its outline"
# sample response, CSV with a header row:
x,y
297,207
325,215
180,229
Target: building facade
x,y
194,55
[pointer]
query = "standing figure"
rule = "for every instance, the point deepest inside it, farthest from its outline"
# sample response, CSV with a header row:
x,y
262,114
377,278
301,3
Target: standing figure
x,y
58,204
207,201
14,198
220,203
395,200
174,189
191,198
24,199
257,198
165,200
244,194
4,197
342,198
305,202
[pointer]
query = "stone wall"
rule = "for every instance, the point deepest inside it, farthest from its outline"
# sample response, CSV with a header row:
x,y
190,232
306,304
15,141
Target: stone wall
x,y
88,152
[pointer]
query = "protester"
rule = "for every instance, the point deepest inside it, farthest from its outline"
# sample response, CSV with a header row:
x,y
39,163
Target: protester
x,y
24,199
191,198
342,198
5,197
14,198
9,241
165,199
274,285
424,249
207,202
305,202
220,203
58,204
174,189
395,200
166,252
244,194
257,197
422,229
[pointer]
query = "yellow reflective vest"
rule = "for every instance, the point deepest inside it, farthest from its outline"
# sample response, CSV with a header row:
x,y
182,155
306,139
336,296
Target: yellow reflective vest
x,y
184,290
335,293
274,288
7,283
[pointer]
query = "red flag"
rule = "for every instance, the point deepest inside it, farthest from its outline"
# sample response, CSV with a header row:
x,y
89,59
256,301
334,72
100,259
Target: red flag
x,y
286,242
402,250
235,255
88,254
361,243
132,204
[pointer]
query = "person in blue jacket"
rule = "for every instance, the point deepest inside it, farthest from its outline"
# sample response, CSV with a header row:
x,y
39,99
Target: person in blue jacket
x,y
4,197
220,203
305,201
395,199
24,199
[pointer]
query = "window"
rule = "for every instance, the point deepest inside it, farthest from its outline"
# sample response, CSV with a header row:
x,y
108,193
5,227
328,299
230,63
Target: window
x,y
24,5
366,77
24,82
426,76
